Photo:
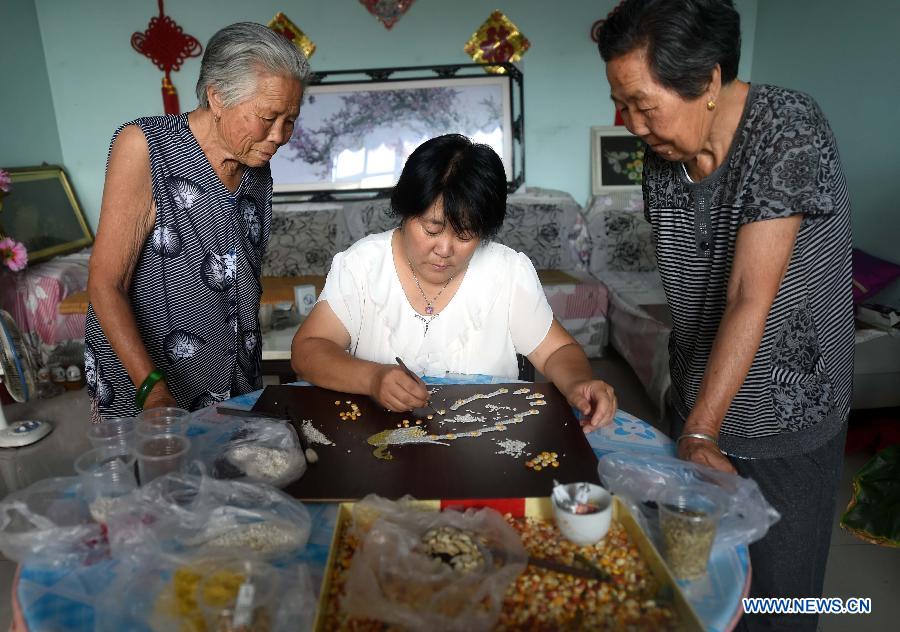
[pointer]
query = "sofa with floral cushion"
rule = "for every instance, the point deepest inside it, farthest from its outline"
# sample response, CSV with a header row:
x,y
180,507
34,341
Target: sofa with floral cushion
x,y
544,224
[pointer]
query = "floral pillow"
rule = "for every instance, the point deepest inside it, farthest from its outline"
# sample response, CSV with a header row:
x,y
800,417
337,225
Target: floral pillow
x,y
621,237
365,218
540,223
534,230
301,240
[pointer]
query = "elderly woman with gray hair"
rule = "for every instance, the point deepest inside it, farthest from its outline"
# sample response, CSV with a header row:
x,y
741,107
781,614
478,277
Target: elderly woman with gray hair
x,y
184,225
744,189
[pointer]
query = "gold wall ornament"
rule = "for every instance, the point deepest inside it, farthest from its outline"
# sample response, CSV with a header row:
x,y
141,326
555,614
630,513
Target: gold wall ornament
x,y
497,41
282,24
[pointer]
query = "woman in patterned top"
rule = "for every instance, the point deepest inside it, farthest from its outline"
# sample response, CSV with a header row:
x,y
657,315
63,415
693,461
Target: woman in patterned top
x,y
744,190
184,224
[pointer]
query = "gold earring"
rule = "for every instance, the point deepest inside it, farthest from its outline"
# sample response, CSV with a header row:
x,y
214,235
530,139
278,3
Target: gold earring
x,y
710,105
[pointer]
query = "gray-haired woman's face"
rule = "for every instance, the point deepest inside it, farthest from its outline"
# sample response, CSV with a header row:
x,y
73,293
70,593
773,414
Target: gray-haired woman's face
x,y
673,127
254,129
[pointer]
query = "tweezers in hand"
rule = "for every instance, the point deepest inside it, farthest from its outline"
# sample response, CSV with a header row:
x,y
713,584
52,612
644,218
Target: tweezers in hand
x,y
418,379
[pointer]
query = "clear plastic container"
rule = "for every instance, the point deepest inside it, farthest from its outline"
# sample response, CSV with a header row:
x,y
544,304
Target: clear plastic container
x,y
161,454
116,433
688,518
163,411
163,420
106,474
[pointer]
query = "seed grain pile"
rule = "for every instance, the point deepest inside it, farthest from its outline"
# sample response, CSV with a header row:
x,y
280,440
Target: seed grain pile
x,y
512,447
262,537
541,599
542,460
314,435
264,463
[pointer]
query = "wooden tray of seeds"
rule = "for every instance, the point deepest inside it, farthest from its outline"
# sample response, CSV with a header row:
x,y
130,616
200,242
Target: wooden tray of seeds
x,y
637,593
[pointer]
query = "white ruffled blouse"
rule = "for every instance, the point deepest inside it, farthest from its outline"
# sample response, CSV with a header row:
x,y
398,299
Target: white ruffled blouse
x,y
499,310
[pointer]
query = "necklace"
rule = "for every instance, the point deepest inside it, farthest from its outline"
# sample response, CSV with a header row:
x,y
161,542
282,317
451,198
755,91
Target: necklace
x,y
429,303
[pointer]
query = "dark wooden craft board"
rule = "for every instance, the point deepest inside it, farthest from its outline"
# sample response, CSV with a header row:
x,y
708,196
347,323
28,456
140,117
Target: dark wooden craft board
x,y
468,468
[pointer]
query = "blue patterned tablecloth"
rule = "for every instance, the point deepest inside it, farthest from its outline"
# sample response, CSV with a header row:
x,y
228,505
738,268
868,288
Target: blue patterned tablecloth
x,y
58,600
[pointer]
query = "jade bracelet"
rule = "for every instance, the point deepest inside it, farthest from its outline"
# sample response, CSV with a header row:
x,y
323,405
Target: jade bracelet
x,y
146,386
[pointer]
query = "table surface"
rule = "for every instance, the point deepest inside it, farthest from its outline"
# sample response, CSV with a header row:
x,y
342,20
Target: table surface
x,y
65,599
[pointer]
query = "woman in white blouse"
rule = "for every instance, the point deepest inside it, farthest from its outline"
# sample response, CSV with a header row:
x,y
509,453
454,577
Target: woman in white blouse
x,y
437,292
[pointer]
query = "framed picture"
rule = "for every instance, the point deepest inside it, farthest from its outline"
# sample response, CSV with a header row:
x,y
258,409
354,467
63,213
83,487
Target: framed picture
x,y
617,159
42,212
357,127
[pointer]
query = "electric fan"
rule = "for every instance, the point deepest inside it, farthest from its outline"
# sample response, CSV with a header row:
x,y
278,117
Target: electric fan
x,y
17,373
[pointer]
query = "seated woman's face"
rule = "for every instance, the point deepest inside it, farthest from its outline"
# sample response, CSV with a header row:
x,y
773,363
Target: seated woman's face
x,y
254,129
434,249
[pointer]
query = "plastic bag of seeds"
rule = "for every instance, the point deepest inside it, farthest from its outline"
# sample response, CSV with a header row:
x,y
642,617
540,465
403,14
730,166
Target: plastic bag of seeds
x,y
261,450
198,592
640,481
49,524
188,512
423,569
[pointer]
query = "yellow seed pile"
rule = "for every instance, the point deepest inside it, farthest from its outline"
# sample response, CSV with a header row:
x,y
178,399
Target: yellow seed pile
x,y
349,415
405,423
202,601
542,460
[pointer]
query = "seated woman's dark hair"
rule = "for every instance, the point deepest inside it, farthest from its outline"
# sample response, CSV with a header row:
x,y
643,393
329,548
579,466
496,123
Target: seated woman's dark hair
x,y
685,39
468,177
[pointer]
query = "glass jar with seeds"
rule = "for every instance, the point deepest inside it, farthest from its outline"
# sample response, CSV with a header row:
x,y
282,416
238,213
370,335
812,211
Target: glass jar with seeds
x,y
688,518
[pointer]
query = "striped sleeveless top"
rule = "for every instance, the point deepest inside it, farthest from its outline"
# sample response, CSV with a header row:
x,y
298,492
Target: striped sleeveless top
x,y
195,290
783,161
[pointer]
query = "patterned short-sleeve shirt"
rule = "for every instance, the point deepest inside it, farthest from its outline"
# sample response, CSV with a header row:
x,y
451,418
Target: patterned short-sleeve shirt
x,y
783,161
196,288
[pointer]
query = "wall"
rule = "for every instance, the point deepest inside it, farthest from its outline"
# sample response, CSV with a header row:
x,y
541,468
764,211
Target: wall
x,y
28,130
96,87
846,56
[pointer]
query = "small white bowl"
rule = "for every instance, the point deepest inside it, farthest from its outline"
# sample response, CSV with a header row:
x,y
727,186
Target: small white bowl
x,y
587,528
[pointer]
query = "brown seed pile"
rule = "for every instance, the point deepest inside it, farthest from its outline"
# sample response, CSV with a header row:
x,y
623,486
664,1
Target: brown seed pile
x,y
541,599
453,547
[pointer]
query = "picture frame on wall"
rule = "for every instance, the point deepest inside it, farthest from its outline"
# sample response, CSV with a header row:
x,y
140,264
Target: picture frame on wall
x,y
617,159
42,212
357,127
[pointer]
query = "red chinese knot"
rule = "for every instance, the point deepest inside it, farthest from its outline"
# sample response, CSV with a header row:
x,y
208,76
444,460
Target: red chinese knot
x,y
167,46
